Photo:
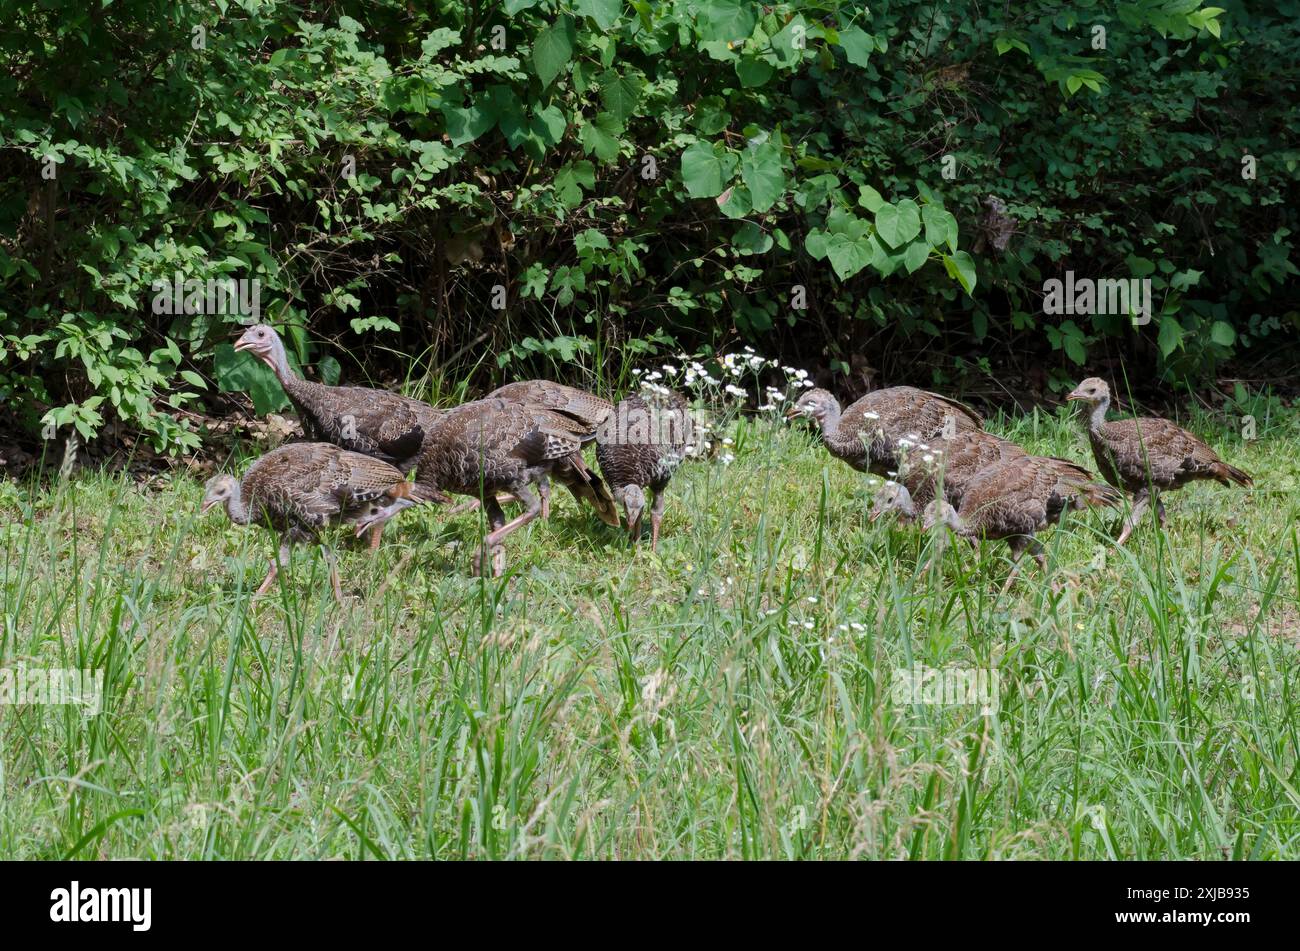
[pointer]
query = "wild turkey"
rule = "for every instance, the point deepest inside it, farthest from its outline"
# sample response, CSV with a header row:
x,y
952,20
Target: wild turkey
x,y
590,411
867,434
378,423
962,462
1147,455
640,447
491,446
953,463
301,487
1016,498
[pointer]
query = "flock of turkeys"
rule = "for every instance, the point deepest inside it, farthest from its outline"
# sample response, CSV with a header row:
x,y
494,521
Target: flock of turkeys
x,y
509,446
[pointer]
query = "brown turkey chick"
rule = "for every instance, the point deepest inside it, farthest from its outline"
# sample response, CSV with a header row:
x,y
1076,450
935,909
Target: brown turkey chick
x,y
639,447
490,446
1015,499
589,410
1147,455
300,488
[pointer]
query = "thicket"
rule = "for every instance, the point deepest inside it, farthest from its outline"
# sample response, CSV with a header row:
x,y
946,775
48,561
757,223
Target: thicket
x,y
449,188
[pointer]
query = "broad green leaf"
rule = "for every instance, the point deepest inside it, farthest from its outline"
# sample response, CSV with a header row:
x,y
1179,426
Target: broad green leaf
x,y
940,226
572,179
857,44
870,199
751,239
702,171
898,224
753,71
761,170
553,49
848,255
735,202
1171,334
329,371
1141,267
466,124
1223,334
549,124
726,20
815,244
915,255
600,137
961,268
791,42
604,12
620,94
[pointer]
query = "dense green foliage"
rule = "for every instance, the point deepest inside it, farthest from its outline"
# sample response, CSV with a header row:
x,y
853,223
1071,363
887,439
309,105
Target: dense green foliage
x,y
625,177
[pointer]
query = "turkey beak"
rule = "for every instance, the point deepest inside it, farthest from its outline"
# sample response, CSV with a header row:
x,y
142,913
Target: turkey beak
x,y
873,515
634,526
793,412
207,504
1074,395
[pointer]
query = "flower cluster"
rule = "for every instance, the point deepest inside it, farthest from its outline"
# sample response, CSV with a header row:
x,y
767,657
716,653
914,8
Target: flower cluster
x,y
721,380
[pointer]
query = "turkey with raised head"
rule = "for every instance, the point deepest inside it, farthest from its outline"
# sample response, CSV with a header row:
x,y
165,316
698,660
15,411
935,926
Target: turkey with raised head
x,y
1147,455
362,419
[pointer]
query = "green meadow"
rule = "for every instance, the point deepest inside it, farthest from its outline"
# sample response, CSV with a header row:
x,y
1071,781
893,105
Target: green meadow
x,y
734,695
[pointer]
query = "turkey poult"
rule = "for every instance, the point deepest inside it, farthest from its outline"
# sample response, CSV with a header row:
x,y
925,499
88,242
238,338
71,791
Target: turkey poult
x,y
491,446
640,448
591,412
948,463
1147,455
302,487
866,434
1015,499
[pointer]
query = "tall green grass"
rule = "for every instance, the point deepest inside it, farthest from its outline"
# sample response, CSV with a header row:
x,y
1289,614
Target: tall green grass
x,y
727,697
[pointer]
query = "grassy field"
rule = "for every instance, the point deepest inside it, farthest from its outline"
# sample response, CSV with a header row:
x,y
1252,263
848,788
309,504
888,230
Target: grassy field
x,y
732,696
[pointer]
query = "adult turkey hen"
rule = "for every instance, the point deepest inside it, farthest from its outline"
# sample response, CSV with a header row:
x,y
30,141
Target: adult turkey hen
x,y
378,423
869,433
640,448
1147,455
300,488
490,446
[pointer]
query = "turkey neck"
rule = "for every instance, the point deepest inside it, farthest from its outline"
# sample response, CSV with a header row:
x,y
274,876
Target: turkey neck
x,y
1097,417
235,507
831,434
295,387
